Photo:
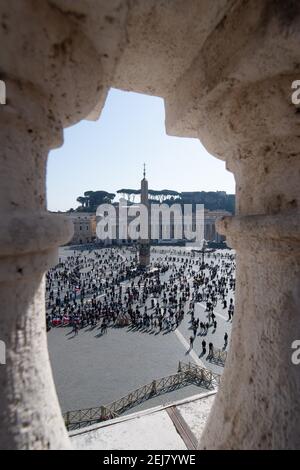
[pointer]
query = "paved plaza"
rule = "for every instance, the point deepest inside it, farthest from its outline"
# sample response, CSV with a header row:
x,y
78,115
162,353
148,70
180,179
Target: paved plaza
x,y
93,368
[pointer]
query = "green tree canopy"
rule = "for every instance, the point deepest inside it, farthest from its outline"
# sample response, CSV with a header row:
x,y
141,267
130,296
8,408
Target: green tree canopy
x,y
92,199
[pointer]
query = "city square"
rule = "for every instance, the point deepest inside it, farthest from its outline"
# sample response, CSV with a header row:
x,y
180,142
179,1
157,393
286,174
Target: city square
x,y
94,365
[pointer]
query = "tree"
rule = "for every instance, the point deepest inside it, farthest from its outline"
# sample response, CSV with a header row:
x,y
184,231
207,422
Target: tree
x,y
82,201
92,199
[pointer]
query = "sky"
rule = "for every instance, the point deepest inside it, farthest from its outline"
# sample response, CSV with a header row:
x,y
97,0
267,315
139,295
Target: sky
x,y
109,154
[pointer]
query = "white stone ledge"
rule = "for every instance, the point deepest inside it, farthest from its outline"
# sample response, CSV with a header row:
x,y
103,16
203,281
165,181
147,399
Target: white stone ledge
x,y
147,429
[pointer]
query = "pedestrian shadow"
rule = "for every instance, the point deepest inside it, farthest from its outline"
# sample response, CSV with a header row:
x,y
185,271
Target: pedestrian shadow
x,y
72,337
143,330
131,327
99,335
91,328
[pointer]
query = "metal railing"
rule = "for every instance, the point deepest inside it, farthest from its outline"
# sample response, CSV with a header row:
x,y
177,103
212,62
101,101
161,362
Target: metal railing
x,y
218,356
208,379
188,374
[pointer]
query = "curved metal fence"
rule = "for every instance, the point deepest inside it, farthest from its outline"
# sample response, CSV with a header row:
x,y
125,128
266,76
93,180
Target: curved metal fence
x,y
188,374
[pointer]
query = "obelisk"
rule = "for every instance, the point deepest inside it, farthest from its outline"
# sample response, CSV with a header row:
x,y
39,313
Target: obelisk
x,y
144,249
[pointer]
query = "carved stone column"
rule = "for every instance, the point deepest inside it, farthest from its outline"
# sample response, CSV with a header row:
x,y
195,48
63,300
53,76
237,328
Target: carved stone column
x,y
236,97
29,409
53,79
258,404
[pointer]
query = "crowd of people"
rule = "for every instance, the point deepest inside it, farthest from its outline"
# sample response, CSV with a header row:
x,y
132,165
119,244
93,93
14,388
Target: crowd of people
x,y
105,288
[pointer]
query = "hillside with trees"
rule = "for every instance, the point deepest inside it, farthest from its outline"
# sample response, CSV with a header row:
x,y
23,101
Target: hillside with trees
x,y
212,200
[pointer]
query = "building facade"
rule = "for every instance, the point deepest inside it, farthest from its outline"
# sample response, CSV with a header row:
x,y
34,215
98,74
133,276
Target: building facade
x,y
84,227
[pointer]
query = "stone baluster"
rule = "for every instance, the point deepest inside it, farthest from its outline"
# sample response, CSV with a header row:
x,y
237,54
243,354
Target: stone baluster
x,y
260,378
29,411
236,97
53,78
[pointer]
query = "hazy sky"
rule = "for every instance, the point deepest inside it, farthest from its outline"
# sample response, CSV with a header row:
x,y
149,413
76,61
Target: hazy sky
x,y
109,154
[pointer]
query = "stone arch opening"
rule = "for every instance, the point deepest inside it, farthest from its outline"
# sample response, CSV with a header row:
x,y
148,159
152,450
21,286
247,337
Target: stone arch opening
x,y
226,80
59,155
